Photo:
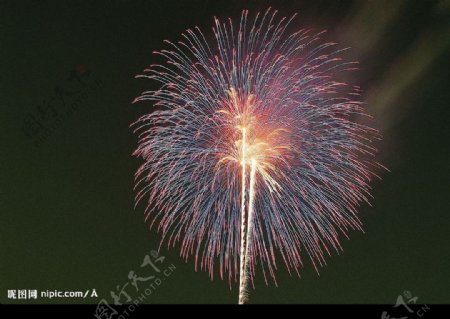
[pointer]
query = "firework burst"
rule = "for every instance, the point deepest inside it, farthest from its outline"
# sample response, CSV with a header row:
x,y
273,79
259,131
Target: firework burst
x,y
254,153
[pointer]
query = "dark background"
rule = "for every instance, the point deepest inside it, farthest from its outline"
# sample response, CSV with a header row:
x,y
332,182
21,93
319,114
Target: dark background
x,y
66,187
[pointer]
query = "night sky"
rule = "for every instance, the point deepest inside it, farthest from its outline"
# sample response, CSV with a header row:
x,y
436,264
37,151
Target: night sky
x,y
67,216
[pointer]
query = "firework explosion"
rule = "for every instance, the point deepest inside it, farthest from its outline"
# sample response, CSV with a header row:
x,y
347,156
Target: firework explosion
x,y
253,153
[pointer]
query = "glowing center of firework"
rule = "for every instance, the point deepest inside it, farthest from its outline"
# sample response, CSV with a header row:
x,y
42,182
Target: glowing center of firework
x,y
254,142
251,151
